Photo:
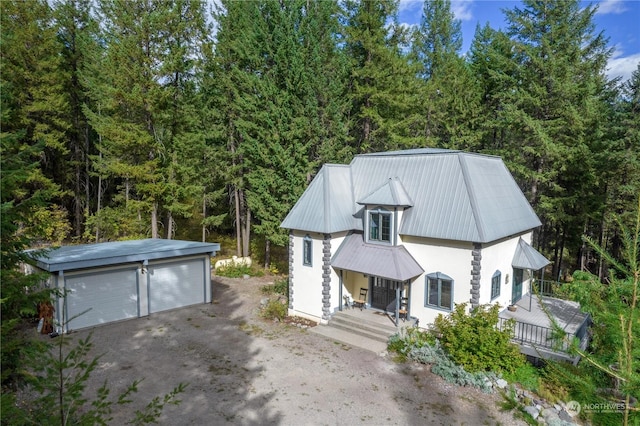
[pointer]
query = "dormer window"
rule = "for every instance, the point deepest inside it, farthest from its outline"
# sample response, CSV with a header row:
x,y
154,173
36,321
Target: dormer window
x,y
380,225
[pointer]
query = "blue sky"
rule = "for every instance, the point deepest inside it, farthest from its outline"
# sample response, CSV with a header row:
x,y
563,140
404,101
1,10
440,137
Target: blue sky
x,y
619,19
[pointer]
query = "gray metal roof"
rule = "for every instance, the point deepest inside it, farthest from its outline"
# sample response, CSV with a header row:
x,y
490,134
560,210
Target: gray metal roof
x,y
386,261
391,193
67,258
526,257
455,195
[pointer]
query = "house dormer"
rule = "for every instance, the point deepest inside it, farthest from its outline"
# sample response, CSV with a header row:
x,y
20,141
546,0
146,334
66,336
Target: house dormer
x,y
382,208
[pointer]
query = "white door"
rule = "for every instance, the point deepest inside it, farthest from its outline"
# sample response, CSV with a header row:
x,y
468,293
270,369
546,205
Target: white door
x,y
107,295
176,284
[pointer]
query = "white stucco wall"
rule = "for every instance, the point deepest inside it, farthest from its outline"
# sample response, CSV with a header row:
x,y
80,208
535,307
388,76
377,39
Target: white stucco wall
x,y
448,257
498,256
307,280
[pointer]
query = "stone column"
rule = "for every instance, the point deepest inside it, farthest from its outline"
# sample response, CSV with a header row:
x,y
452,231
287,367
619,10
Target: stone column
x,y
476,260
326,277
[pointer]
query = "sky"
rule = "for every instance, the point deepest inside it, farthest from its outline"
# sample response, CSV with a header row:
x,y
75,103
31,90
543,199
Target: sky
x,y
619,19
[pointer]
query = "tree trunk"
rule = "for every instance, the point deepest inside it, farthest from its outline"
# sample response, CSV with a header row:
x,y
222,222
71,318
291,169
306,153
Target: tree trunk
x,y
169,226
204,216
246,234
236,192
154,220
267,254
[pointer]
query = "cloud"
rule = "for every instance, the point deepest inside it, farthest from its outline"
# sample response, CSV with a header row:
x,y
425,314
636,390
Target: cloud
x,y
410,5
462,9
614,7
623,66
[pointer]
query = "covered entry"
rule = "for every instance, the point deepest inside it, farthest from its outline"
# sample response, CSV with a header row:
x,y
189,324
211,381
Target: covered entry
x,y
386,267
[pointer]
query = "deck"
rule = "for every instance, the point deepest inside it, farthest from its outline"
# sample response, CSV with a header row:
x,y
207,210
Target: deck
x,y
534,332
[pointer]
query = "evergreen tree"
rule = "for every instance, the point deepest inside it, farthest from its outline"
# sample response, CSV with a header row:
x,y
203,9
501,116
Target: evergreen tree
x,y
449,99
382,82
551,114
77,30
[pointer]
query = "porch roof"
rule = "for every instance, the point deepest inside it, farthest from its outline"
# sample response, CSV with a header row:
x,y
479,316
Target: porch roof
x,y
526,257
391,262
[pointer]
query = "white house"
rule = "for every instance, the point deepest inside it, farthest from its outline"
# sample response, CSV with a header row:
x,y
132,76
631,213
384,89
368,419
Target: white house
x,y
427,227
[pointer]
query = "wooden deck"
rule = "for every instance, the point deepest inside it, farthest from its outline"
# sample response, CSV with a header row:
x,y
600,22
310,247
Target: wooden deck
x,y
534,331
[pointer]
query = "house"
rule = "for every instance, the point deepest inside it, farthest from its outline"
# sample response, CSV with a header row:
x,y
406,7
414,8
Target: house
x,y
422,228
105,282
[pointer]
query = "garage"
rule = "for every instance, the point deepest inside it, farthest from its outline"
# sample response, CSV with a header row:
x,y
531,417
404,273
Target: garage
x,y
114,281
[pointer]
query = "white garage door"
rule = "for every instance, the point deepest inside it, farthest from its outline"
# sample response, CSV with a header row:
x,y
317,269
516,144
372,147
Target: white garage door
x,y
173,285
110,296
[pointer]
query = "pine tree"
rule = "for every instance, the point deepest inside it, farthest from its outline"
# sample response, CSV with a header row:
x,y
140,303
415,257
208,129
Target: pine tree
x,y
550,114
382,82
449,99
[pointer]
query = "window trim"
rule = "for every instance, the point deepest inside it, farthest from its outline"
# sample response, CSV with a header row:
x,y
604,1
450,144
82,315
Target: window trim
x,y
496,279
440,277
307,250
381,213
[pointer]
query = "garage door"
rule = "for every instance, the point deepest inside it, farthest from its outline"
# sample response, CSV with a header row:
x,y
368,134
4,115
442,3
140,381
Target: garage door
x,y
110,296
173,285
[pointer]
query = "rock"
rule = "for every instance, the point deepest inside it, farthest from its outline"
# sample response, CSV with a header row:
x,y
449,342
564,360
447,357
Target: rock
x,y
565,416
264,301
532,411
501,383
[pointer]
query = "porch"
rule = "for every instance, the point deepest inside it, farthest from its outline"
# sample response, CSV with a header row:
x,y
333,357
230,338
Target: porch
x,y
533,329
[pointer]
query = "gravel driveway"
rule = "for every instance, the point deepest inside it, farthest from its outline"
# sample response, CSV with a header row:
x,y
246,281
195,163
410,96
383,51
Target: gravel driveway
x,y
243,370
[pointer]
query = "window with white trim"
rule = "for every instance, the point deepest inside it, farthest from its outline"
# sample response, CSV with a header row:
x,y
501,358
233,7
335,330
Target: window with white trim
x,y
307,250
495,284
380,225
439,291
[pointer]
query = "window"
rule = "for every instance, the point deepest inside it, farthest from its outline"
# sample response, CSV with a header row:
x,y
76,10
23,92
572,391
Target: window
x,y
495,284
380,226
439,291
307,246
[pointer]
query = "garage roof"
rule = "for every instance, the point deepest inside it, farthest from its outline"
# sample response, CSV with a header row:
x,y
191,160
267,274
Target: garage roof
x,y
111,253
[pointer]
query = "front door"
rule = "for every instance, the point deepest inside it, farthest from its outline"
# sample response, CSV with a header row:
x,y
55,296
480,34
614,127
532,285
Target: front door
x,y
383,292
516,290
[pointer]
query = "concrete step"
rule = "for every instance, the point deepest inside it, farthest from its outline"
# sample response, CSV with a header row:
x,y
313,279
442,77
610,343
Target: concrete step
x,y
357,331
362,327
349,338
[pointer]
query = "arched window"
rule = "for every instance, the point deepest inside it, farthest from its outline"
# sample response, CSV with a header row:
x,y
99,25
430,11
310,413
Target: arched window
x,y
439,291
495,284
307,250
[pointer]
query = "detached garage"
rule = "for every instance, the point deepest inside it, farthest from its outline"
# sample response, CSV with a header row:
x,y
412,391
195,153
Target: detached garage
x,y
112,281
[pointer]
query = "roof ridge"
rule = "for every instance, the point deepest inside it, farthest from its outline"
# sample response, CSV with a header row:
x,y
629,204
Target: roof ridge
x,y
472,198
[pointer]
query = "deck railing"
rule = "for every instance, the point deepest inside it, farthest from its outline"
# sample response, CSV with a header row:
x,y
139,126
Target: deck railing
x,y
545,337
547,288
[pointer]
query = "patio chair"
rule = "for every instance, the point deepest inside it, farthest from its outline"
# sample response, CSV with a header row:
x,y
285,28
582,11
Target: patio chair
x,y
361,301
403,312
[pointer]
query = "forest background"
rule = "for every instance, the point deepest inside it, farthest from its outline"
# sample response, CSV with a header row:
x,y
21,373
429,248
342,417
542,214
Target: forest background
x,y
203,121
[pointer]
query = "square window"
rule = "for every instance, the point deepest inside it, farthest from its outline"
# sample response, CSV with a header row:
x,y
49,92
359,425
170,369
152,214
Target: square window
x,y
439,291
380,226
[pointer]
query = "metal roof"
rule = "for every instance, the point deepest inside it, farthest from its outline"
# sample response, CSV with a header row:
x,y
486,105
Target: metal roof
x,y
386,261
67,258
526,257
455,195
391,193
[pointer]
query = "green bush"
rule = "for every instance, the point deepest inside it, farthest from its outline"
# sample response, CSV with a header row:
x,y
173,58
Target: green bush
x,y
275,310
238,270
280,286
474,341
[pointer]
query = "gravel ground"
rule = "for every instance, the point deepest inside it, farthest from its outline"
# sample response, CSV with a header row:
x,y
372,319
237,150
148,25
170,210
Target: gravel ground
x,y
243,370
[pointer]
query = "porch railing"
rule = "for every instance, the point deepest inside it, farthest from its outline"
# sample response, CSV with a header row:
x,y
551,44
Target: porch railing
x,y
545,337
547,288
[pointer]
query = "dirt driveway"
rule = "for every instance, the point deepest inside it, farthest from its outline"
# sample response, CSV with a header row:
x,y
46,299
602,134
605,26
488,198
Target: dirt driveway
x,y
243,370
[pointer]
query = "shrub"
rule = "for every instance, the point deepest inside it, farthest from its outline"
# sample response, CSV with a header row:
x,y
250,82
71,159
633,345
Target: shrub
x,y
275,309
280,286
474,341
238,270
